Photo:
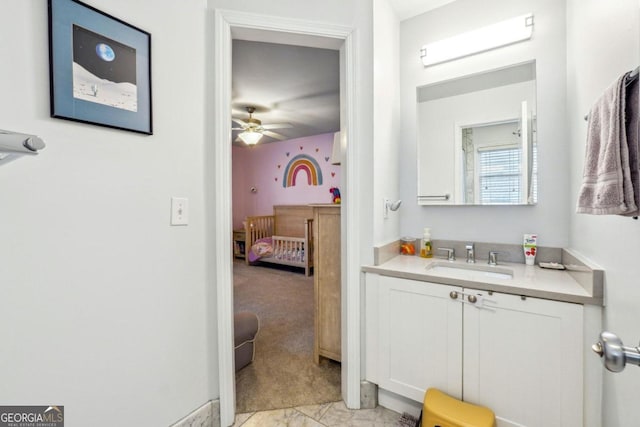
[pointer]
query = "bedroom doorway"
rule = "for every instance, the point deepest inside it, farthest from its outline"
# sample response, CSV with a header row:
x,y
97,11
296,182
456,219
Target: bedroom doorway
x,y
255,26
289,96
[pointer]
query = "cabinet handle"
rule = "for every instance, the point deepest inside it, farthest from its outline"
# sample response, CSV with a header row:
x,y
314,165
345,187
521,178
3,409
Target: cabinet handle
x,y
453,295
472,299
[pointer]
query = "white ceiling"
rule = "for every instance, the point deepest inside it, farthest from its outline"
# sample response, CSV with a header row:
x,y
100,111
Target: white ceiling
x,y
409,8
287,84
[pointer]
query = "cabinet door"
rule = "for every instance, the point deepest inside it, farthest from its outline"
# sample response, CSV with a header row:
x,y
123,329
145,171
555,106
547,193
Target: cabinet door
x,y
419,337
523,359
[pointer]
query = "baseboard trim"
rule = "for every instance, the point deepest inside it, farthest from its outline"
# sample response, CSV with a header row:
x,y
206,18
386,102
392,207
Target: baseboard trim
x,y
207,415
398,403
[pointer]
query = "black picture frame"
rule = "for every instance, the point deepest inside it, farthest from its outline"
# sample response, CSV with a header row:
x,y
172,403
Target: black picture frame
x,y
99,68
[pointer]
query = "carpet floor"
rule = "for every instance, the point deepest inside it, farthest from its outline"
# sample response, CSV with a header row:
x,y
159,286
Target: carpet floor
x,y
283,374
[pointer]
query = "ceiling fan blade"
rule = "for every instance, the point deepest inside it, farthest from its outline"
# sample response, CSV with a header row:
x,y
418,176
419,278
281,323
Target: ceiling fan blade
x,y
274,135
238,121
237,128
277,126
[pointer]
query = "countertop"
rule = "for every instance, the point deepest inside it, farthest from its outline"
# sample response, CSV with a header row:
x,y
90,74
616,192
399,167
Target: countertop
x,y
533,281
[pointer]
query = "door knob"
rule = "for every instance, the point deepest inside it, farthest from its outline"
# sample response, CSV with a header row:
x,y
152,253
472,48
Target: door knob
x,y
453,295
614,354
472,299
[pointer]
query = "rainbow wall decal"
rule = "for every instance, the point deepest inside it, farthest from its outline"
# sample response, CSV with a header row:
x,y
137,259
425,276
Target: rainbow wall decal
x,y
302,162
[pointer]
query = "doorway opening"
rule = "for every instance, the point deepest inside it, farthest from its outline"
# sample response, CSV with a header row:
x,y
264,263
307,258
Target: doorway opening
x,y
292,94
305,33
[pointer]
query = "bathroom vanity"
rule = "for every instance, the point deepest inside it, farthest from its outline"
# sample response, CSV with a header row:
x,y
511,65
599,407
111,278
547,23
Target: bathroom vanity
x,y
510,337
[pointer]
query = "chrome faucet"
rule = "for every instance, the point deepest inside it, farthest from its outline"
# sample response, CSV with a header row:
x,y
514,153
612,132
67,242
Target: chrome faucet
x,y
471,253
493,258
451,253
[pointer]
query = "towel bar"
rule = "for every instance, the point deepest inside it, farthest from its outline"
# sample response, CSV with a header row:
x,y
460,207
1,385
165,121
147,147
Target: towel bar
x,y
633,76
428,198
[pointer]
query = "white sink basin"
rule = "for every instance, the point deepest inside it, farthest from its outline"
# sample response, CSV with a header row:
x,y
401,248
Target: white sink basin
x,y
469,271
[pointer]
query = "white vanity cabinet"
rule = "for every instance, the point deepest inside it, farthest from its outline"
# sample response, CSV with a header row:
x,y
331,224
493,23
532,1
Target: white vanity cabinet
x,y
522,357
413,336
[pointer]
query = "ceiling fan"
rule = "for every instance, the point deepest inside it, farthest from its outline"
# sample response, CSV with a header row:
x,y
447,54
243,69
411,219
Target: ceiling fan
x,y
253,129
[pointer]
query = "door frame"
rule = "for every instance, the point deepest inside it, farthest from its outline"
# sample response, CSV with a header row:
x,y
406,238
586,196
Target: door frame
x,y
220,229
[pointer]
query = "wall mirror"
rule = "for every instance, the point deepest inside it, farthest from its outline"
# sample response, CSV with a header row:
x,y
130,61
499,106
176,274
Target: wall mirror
x,y
477,141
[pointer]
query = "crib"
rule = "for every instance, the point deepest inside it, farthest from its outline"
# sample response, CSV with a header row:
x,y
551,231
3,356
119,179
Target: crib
x,y
290,230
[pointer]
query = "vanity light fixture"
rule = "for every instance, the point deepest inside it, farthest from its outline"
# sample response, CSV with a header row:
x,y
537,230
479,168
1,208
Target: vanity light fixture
x,y
250,137
503,33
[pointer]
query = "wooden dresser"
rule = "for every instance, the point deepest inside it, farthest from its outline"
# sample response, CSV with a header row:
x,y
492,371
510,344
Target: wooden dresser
x,y
327,281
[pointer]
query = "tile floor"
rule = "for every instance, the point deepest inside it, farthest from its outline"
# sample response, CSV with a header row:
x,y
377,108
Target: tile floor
x,y
324,415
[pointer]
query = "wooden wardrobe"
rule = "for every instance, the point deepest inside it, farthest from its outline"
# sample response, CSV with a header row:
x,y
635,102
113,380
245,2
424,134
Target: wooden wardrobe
x,y
327,281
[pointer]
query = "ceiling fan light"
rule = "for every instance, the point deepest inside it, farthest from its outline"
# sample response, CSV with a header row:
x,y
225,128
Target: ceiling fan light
x,y
250,138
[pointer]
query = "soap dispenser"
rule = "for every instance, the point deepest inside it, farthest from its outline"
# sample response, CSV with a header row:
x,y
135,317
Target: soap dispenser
x,y
426,249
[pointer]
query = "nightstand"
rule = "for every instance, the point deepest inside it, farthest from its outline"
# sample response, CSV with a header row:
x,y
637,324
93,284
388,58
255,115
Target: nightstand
x,y
239,238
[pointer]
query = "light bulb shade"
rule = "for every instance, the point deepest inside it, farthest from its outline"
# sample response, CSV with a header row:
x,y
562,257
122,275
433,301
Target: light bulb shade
x,y
250,138
336,151
503,33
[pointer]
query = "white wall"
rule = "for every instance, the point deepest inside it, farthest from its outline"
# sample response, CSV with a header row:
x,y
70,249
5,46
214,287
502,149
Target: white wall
x,y
102,305
603,42
549,218
386,119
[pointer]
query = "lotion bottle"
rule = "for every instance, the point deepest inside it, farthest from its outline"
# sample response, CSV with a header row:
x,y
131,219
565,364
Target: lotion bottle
x,y
426,249
529,246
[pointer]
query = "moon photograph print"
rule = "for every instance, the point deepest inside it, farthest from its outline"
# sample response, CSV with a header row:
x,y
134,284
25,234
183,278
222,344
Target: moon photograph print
x,y
99,68
104,70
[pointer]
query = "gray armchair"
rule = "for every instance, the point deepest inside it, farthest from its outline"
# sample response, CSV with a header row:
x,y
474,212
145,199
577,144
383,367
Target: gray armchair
x,y
246,327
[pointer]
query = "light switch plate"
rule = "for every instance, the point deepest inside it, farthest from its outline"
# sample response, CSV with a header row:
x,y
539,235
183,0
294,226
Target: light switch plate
x,y
179,211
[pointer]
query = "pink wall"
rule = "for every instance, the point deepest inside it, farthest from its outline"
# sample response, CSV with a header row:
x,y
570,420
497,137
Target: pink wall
x,y
267,166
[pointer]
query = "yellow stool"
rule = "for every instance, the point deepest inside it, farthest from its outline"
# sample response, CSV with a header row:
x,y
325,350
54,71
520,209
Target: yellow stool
x,y
441,410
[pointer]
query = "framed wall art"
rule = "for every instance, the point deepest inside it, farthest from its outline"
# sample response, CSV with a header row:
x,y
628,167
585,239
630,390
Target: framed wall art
x,y
99,67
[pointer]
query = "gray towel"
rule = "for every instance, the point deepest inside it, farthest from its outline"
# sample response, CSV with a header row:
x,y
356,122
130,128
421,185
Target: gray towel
x,y
606,184
632,115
